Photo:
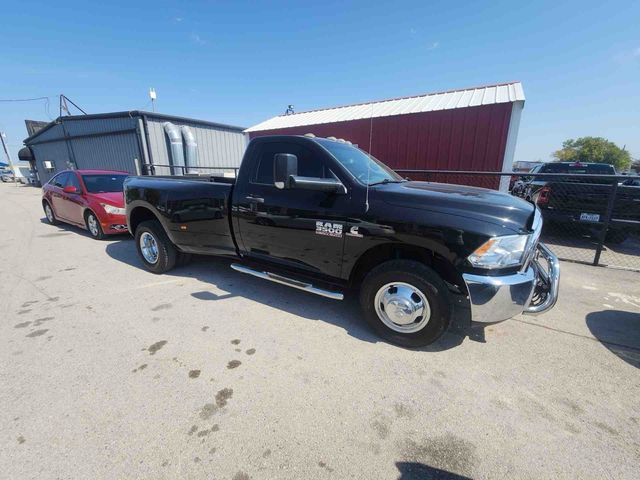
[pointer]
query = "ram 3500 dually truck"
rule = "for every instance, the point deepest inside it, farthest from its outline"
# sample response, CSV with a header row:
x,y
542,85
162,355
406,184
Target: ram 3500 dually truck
x,y
324,216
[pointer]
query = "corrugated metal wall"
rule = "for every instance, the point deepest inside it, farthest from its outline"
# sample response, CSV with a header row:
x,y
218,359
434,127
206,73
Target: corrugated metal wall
x,y
472,138
54,152
113,145
112,152
217,146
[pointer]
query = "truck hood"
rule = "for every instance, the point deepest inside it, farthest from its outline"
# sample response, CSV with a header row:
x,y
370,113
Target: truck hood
x,y
112,198
472,202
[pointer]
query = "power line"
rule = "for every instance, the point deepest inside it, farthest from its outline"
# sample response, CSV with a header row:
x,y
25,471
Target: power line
x,y
34,99
23,99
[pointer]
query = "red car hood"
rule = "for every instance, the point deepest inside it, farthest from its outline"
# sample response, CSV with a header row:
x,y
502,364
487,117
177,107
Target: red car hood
x,y
112,198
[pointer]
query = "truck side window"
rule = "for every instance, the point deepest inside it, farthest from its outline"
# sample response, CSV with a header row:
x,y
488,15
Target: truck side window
x,y
309,164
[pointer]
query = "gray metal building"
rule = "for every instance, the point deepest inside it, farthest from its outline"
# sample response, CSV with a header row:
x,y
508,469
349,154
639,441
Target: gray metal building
x,y
141,143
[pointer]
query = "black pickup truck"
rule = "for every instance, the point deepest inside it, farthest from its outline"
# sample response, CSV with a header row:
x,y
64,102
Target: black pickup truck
x,y
581,199
323,216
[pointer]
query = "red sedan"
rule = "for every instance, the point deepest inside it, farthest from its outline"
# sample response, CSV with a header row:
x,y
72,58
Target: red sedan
x,y
90,199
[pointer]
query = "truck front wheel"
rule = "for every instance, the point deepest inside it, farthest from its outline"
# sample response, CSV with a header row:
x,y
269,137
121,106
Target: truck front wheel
x,y
406,303
154,247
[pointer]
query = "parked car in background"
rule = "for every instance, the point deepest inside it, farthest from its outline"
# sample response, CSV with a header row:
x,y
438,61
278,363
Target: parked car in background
x,y
7,176
631,182
90,199
28,179
322,216
582,201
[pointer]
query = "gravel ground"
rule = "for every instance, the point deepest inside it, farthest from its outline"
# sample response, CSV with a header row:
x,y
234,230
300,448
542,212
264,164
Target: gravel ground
x,y
108,371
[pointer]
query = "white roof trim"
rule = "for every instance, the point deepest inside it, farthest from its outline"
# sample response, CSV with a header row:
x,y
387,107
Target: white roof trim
x,y
471,97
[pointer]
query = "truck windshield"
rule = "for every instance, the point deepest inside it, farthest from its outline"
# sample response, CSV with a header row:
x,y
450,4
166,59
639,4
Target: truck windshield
x,y
103,183
365,167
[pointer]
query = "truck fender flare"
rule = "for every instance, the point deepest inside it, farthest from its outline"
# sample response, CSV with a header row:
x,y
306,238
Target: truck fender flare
x,y
137,206
392,250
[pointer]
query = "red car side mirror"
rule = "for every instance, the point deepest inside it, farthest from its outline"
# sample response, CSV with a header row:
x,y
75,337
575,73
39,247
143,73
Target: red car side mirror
x,y
70,189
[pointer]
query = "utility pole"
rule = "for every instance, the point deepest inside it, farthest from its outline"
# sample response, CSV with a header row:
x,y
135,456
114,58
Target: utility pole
x,y
6,152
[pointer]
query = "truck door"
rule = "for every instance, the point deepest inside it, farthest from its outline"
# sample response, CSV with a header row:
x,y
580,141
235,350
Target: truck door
x,y
295,228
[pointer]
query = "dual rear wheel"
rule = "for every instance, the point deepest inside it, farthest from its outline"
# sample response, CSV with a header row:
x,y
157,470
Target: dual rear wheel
x,y
156,250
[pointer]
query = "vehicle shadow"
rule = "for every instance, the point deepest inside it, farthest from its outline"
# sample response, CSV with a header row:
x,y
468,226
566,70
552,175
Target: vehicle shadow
x,y
217,272
420,471
619,331
64,227
67,227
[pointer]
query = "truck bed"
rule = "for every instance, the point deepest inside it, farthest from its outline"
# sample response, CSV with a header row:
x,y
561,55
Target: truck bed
x,y
195,211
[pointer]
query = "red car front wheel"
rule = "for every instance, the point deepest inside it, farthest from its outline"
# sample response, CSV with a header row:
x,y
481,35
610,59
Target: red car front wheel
x,y
93,225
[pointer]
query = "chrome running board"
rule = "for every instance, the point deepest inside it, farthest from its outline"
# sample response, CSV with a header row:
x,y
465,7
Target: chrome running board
x,y
290,282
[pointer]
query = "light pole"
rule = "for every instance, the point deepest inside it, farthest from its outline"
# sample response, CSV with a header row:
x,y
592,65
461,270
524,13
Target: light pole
x,y
153,96
6,152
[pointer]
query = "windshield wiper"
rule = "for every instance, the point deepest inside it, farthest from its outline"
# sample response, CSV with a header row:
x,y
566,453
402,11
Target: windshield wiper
x,y
385,181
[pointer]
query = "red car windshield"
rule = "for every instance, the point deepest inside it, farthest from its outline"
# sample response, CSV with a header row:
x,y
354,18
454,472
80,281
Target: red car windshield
x,y
103,183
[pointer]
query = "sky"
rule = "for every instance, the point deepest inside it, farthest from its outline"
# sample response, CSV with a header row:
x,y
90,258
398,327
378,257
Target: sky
x,y
243,62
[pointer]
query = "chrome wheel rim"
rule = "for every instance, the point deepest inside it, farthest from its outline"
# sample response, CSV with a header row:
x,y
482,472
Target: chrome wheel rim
x,y
48,212
149,247
402,307
93,225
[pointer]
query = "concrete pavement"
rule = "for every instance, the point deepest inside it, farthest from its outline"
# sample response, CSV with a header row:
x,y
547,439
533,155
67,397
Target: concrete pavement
x,y
108,371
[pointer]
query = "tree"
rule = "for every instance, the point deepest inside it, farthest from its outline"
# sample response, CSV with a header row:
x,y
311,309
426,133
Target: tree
x,y
593,149
635,165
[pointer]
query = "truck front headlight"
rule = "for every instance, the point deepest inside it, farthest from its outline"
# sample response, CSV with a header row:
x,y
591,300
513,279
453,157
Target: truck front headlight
x,y
113,210
500,252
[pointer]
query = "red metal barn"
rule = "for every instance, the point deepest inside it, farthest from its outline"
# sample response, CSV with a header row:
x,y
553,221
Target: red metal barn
x,y
472,129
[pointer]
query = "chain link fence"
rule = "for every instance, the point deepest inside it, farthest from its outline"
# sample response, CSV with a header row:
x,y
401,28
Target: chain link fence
x,y
593,219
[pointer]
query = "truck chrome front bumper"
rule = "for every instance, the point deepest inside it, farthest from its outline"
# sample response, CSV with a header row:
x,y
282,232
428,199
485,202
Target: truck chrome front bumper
x,y
533,291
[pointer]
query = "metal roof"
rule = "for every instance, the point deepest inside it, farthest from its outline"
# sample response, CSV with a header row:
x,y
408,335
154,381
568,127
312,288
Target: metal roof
x,y
429,102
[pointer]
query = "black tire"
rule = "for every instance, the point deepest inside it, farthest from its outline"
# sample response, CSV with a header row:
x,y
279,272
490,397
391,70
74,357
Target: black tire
x,y
183,259
167,254
420,277
616,237
93,225
51,217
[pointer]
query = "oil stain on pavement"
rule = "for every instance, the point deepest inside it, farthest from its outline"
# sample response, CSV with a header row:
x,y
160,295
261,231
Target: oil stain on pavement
x,y
162,306
223,396
37,333
447,452
156,346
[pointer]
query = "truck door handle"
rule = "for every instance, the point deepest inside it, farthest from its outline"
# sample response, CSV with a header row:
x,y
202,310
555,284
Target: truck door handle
x,y
253,199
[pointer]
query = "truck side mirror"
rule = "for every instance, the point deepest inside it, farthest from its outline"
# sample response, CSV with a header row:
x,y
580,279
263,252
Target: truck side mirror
x,y
284,166
328,185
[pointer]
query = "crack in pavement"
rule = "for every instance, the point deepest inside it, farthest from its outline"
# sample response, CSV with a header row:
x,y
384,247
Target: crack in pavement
x,y
579,335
